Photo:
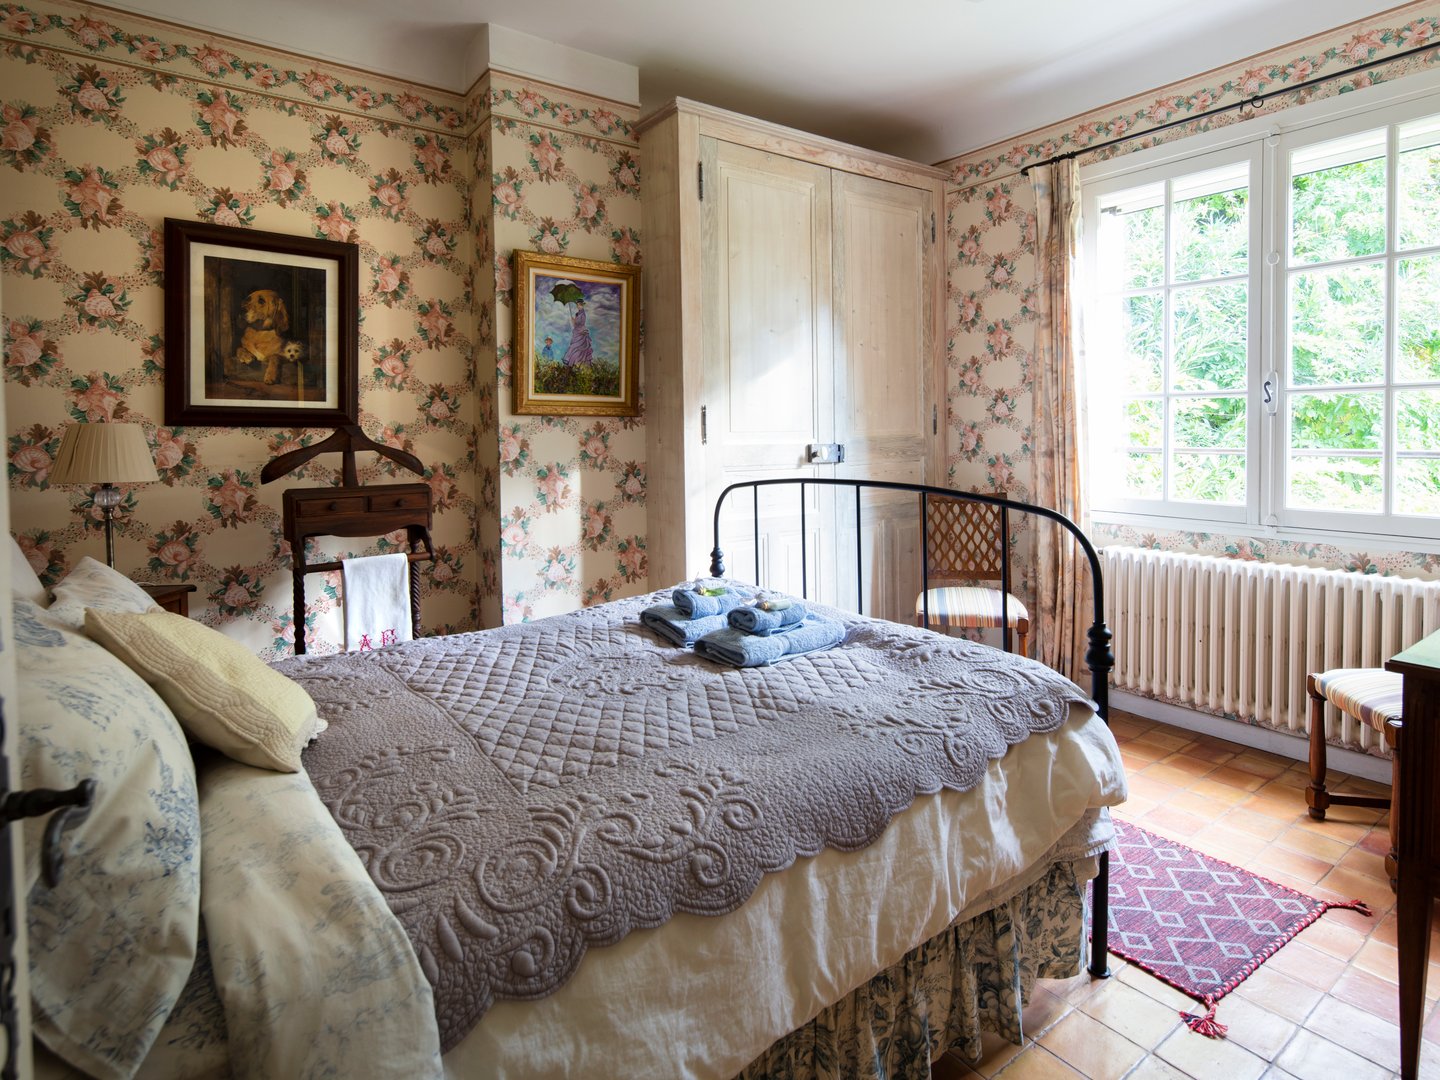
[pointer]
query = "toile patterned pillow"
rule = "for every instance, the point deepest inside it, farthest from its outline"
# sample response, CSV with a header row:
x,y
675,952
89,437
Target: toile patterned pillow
x,y
111,947
92,584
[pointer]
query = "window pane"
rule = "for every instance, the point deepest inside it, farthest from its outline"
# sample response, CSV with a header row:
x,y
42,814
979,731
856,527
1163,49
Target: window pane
x,y
1419,183
1214,478
1336,421
1131,240
1336,483
1417,486
1142,321
1337,199
1211,223
1417,420
1418,335
1143,423
1210,337
1142,475
1217,422
1337,325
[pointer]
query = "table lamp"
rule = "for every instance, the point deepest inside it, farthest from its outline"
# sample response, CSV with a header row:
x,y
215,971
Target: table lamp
x,y
104,454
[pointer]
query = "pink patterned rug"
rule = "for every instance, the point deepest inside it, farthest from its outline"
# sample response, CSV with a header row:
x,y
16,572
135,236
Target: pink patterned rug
x,y
1197,923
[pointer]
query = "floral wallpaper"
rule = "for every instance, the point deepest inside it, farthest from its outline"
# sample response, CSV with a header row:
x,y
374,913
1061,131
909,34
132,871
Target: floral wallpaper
x,y
110,123
990,230
564,179
109,126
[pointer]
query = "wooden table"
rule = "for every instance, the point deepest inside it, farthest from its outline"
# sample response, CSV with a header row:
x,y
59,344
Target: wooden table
x,y
1414,803
174,598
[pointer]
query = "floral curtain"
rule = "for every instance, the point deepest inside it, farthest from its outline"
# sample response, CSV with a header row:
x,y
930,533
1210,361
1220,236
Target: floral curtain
x,y
1062,572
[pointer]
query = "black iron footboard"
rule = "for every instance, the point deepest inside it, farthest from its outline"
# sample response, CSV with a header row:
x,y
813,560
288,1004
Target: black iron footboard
x,y
1098,655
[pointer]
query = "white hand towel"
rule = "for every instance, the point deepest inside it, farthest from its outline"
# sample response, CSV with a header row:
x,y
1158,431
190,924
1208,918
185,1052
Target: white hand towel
x,y
377,601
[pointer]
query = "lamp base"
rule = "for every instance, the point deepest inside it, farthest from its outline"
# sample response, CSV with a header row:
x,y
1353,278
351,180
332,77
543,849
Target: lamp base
x,y
107,497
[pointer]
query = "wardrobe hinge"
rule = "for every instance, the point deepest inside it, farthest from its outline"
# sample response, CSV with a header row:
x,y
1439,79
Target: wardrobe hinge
x,y
704,427
934,419
932,228
700,178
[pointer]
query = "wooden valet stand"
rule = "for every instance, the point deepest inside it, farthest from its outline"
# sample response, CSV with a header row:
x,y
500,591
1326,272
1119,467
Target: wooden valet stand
x,y
352,510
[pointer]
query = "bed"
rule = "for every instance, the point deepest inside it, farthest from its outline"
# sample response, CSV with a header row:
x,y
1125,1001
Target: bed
x,y
568,848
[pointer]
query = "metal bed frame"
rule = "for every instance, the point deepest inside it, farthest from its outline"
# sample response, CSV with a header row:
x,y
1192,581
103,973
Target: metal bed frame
x,y
1098,656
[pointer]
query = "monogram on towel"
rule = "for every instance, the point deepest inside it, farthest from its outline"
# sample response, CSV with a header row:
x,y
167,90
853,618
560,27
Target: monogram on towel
x,y
377,601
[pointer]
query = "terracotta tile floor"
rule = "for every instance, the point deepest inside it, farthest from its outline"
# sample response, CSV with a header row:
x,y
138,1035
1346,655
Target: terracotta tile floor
x,y
1323,1007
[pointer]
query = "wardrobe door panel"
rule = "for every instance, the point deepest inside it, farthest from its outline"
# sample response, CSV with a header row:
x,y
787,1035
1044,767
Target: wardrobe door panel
x,y
884,341
768,365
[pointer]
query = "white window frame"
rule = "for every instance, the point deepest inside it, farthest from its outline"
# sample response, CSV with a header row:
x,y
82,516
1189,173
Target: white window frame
x,y
1093,195
1270,139
1278,152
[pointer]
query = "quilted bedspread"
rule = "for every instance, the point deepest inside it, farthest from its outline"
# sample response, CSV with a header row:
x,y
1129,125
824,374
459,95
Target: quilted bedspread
x,y
520,795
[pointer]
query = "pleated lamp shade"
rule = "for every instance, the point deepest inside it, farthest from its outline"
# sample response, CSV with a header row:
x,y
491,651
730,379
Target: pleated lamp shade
x,y
103,454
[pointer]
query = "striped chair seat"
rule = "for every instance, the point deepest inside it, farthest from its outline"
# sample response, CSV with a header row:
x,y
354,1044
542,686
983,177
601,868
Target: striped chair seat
x,y
969,606
1371,695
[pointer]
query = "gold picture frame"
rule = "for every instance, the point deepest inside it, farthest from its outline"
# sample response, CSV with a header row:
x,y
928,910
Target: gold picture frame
x,y
576,349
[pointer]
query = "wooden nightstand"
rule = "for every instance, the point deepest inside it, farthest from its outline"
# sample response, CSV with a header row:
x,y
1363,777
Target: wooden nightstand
x,y
173,598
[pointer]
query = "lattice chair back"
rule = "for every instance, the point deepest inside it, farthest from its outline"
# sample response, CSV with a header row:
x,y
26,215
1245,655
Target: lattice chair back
x,y
964,541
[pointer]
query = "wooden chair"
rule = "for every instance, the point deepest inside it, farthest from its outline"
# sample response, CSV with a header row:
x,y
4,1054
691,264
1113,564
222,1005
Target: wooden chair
x,y
964,542
1372,696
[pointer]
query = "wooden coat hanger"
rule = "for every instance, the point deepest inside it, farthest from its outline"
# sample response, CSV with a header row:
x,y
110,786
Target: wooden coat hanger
x,y
348,440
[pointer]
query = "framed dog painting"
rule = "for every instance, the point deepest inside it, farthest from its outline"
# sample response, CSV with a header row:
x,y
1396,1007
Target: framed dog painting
x,y
261,329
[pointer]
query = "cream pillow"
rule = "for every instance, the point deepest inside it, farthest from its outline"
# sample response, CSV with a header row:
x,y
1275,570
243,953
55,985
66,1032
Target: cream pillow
x,y
92,584
222,693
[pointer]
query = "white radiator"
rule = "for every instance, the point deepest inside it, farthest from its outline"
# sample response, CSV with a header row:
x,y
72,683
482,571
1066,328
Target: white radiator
x,y
1237,638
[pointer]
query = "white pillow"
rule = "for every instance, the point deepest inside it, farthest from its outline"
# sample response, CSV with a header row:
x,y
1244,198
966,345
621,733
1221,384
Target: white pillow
x,y
24,582
92,584
112,945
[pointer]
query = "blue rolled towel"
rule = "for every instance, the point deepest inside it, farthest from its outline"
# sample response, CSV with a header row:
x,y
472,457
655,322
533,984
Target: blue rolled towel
x,y
741,649
755,620
697,605
676,627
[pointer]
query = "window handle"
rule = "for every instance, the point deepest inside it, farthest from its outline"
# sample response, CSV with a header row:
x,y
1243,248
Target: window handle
x,y
1268,389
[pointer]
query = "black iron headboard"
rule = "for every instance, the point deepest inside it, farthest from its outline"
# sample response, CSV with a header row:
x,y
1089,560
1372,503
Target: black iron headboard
x,y
1098,656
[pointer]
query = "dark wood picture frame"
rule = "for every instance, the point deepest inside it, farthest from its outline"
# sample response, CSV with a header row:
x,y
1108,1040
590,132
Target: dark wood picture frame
x,y
262,329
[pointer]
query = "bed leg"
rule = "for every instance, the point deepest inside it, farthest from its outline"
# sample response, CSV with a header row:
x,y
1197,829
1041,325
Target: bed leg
x,y
1100,920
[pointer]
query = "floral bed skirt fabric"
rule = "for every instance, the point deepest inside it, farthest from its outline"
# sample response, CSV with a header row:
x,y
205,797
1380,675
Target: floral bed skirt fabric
x,y
973,976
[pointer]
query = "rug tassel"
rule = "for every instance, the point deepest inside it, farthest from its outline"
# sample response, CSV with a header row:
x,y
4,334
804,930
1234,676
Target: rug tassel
x,y
1354,905
1206,1025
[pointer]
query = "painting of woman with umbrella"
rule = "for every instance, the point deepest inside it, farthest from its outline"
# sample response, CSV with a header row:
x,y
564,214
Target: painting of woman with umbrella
x,y
576,324
579,351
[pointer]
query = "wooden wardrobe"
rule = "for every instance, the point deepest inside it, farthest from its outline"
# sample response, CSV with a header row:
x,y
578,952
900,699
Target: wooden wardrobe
x,y
793,305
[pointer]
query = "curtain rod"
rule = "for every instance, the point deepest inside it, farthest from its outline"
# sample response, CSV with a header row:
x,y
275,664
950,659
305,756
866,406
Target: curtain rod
x,y
1251,102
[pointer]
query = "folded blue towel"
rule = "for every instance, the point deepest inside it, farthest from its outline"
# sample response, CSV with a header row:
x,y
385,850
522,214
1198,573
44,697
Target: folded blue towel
x,y
740,649
755,620
676,627
695,605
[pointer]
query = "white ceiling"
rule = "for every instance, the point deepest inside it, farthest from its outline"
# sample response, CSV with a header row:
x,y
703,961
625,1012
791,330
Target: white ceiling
x,y
926,79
